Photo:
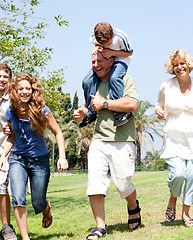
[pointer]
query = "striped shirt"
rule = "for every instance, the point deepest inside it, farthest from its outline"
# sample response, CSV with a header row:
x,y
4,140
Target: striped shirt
x,y
120,42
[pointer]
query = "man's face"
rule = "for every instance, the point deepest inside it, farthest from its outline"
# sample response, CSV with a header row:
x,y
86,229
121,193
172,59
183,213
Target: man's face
x,y
101,65
4,78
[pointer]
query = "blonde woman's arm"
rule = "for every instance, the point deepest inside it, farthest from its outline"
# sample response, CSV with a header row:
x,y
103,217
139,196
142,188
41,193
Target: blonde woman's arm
x,y
159,109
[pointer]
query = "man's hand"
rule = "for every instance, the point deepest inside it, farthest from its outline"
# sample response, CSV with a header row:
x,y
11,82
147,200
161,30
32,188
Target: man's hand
x,y
80,114
97,103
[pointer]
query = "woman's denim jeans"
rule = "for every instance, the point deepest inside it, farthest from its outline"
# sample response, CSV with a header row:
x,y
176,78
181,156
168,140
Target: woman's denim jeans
x,y
38,171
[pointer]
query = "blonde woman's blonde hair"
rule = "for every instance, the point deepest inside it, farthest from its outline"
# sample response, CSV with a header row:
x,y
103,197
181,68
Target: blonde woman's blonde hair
x,y
178,55
36,105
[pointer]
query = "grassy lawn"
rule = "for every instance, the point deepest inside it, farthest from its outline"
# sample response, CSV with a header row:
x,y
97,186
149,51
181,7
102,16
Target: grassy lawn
x,y
73,218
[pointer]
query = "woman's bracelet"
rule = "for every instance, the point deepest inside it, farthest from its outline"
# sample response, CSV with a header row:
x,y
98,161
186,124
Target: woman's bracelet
x,y
63,156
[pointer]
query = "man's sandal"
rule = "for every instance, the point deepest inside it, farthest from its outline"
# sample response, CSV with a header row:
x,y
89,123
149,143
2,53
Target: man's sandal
x,y
188,223
47,216
135,220
170,214
97,232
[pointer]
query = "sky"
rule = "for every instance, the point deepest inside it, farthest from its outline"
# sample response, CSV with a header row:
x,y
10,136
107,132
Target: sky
x,y
155,28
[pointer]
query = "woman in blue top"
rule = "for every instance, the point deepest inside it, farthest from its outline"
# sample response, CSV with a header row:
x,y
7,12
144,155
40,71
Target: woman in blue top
x,y
28,118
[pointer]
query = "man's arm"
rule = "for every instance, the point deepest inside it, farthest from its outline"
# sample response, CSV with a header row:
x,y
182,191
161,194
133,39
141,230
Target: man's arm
x,y
119,105
123,105
80,113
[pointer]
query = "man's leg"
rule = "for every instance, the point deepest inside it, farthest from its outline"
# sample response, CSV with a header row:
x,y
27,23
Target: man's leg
x,y
5,208
131,200
98,184
97,203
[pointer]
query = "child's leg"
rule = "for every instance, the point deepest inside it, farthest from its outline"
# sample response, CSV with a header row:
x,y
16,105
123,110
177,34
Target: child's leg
x,y
116,85
116,89
90,85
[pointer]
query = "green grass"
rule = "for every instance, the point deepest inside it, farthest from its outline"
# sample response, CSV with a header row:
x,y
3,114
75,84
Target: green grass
x,y
73,218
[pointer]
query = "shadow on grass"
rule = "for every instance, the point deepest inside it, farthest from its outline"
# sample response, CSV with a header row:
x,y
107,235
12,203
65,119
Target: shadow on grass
x,y
172,224
62,202
59,191
120,227
34,236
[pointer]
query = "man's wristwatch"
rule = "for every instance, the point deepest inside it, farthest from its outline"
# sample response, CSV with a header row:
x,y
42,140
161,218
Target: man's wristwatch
x,y
105,104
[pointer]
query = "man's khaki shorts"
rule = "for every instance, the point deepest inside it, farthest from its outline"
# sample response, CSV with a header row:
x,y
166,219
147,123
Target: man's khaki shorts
x,y
110,159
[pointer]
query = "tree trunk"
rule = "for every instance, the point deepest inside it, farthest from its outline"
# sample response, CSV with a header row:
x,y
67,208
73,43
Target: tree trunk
x,y
86,160
138,160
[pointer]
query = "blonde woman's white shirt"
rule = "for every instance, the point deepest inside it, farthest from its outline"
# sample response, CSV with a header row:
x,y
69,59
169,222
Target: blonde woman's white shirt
x,y
178,129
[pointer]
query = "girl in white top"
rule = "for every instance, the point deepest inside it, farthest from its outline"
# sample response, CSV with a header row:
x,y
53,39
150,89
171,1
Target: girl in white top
x,y
175,101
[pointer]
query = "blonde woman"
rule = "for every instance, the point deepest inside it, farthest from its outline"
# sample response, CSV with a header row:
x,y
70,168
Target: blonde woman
x,y
28,118
175,102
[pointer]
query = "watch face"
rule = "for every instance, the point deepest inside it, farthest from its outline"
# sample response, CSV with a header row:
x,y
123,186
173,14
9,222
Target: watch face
x,y
105,104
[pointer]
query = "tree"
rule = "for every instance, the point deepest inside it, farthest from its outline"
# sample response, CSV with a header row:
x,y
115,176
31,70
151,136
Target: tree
x,y
19,36
153,161
146,126
82,137
75,101
63,115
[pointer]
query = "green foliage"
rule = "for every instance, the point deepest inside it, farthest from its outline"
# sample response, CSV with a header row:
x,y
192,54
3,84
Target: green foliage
x,y
60,21
65,113
71,152
77,142
152,161
160,164
146,123
75,102
52,93
20,33
146,126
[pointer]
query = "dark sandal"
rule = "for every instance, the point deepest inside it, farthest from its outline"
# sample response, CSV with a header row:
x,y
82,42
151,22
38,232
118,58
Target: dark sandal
x,y
47,216
135,220
170,214
94,232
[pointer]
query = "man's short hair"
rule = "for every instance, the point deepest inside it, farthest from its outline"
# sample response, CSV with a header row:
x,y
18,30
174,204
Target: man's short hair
x,y
103,32
6,68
